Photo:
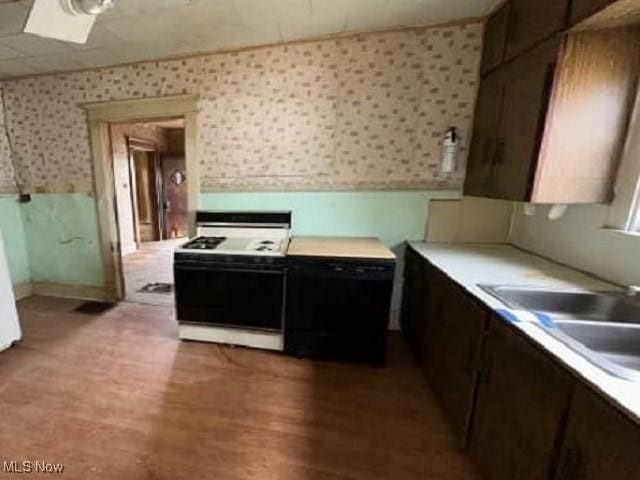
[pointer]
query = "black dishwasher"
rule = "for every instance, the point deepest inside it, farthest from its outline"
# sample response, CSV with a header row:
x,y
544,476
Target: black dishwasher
x,y
338,308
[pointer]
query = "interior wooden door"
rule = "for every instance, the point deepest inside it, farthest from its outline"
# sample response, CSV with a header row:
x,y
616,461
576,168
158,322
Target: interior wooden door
x,y
145,164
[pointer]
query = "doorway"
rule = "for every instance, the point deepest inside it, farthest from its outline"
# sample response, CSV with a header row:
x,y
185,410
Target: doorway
x,y
149,171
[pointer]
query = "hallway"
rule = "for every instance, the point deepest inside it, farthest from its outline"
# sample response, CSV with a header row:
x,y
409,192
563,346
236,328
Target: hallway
x,y
151,263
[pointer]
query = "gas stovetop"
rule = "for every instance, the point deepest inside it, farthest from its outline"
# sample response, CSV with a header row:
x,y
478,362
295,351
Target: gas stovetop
x,y
235,246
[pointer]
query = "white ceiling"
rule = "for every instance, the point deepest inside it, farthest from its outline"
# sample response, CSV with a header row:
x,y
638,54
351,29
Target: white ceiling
x,y
138,30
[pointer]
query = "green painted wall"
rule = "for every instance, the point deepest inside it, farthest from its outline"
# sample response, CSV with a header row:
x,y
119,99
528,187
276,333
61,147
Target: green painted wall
x,y
14,239
63,241
394,216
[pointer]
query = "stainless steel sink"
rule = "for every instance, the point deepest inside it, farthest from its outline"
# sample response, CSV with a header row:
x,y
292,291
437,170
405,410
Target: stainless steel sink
x,y
596,306
604,327
613,347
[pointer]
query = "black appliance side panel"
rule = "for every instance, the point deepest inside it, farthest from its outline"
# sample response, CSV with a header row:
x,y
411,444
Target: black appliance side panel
x,y
338,309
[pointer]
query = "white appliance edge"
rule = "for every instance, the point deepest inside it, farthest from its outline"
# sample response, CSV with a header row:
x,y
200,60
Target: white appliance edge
x,y
9,326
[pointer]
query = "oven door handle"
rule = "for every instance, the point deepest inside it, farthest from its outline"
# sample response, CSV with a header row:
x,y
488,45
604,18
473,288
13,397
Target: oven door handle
x,y
217,268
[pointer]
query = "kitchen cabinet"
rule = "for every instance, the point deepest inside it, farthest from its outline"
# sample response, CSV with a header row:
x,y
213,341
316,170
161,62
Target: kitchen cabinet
x,y
338,307
529,141
481,164
581,9
453,340
414,298
522,399
527,89
532,22
495,39
599,443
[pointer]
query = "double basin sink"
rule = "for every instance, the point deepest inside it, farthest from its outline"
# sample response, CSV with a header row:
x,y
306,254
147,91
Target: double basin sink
x,y
604,327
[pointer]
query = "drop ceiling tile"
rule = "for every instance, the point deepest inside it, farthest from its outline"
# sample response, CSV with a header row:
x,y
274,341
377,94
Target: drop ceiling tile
x,y
32,45
13,16
55,62
15,68
8,52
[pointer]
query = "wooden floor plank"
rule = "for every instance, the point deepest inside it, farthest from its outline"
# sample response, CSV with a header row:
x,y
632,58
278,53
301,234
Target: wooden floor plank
x,y
116,395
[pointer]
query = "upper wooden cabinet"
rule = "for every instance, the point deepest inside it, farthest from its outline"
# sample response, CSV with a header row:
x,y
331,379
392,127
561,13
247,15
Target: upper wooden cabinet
x,y
581,9
600,443
562,108
530,22
495,39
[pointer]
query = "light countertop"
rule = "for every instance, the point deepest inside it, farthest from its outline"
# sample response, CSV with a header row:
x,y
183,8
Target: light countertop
x,y
473,264
340,247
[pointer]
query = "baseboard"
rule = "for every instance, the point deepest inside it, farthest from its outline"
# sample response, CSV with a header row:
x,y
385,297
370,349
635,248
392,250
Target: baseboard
x,y
81,292
22,290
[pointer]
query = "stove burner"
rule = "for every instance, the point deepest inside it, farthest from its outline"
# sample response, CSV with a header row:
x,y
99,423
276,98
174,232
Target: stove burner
x,y
205,243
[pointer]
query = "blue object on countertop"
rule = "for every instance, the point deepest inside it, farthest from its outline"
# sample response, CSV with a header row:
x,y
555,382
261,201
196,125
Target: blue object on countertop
x,y
545,320
508,315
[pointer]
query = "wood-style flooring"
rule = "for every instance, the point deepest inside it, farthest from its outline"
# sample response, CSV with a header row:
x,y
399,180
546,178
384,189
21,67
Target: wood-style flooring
x,y
117,396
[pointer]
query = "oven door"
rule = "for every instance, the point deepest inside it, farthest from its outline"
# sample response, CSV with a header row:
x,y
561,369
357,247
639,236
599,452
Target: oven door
x,y
229,296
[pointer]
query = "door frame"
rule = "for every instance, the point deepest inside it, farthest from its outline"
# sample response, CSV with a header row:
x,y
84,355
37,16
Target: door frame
x,y
99,116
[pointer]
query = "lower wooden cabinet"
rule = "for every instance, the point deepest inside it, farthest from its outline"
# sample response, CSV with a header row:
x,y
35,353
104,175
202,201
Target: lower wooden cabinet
x,y
451,349
522,400
600,443
414,295
522,415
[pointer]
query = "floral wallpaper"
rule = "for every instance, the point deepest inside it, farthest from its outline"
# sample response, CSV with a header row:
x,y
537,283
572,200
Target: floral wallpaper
x,y
7,172
363,112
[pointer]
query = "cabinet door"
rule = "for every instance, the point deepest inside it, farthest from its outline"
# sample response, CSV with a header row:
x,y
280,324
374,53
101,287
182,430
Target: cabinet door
x,y
452,350
531,22
581,9
480,163
522,398
600,442
495,39
414,293
528,84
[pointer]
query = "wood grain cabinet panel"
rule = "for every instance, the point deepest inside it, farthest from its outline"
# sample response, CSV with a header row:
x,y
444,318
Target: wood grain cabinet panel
x,y
588,116
522,398
481,160
600,443
531,22
581,9
563,110
527,82
452,349
495,39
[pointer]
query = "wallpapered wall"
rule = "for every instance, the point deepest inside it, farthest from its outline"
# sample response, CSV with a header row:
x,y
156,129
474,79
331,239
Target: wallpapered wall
x,y
365,112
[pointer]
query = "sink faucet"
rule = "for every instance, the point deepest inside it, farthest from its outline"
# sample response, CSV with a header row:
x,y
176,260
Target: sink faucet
x,y
633,290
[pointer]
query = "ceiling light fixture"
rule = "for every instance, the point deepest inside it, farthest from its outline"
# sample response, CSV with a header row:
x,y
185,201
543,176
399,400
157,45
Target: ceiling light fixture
x,y
66,20
87,7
